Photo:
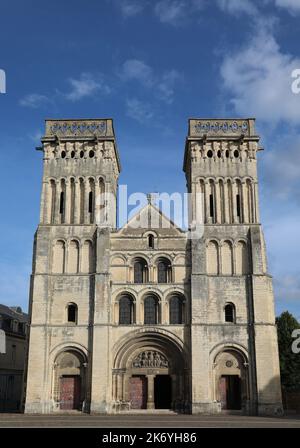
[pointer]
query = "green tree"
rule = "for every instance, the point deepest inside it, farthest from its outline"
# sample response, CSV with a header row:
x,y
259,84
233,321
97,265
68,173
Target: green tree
x,y
289,361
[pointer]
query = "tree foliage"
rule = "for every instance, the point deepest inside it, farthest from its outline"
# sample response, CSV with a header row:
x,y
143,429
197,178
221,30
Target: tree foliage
x,y
289,361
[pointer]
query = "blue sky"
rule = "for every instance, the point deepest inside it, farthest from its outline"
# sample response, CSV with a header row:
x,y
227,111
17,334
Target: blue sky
x,y
150,64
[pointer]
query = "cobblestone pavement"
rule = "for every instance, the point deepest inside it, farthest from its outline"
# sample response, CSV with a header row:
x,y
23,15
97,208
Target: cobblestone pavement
x,y
146,421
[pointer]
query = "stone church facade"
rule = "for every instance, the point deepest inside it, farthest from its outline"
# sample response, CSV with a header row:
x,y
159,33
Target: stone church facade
x,y
142,316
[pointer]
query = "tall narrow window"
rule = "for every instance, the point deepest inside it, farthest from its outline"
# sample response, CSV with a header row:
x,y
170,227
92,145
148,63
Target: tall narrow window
x,y
175,310
151,310
52,201
87,257
140,271
73,257
62,203
13,354
72,216
125,310
151,242
229,313
90,202
81,199
211,205
163,271
72,313
58,260
238,205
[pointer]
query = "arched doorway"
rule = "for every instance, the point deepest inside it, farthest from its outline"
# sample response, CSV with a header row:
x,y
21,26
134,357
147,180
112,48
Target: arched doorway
x,y
69,380
150,373
231,380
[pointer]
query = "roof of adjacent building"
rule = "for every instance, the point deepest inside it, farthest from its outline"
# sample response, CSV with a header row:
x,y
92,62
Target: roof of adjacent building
x,y
13,312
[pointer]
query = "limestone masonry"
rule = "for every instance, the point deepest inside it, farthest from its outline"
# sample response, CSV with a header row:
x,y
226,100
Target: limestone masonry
x,y
144,317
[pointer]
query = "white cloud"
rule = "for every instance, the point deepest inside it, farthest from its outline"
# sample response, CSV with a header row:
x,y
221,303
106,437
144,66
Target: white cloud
x,y
36,136
138,110
131,8
87,85
175,12
287,287
293,6
34,100
170,11
281,168
237,7
134,69
163,85
166,87
258,80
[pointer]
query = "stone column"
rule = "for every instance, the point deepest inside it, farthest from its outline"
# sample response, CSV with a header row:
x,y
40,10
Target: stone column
x,y
255,202
114,387
193,204
77,202
218,204
44,203
150,397
97,202
226,202
120,387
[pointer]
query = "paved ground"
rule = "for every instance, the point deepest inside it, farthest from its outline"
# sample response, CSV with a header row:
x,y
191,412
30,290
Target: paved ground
x,y
146,421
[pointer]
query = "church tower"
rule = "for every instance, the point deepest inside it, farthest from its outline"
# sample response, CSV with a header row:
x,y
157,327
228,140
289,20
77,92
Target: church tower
x,y
234,351
69,282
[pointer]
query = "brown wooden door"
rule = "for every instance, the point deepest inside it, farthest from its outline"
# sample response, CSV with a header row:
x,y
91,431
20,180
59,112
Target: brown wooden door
x,y
223,392
70,392
230,392
138,392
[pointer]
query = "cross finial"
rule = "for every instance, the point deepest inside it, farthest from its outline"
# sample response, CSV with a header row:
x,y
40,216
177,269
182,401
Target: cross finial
x,y
151,198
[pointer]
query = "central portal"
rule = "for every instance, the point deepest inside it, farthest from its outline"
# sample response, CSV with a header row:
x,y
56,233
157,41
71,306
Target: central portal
x,y
163,392
149,373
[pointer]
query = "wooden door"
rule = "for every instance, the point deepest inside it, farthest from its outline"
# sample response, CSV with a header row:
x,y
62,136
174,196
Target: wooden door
x,y
223,392
70,392
138,392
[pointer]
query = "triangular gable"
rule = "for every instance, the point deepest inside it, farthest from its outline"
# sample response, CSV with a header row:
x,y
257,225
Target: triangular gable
x,y
151,218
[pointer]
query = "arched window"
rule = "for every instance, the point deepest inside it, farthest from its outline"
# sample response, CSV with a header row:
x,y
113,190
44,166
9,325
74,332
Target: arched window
x,y
72,214
73,257
52,201
140,271
151,310
58,261
176,310
229,312
241,255
62,203
212,258
125,310
91,202
87,258
151,241
72,313
164,271
227,258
